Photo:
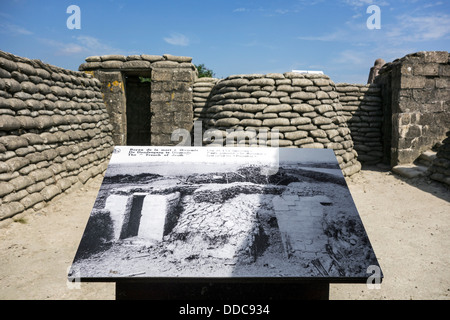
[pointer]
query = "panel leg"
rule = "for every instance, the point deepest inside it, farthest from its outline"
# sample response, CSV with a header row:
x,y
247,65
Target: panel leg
x,y
221,291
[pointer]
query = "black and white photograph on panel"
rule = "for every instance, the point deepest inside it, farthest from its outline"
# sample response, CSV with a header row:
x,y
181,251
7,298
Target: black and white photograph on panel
x,y
223,212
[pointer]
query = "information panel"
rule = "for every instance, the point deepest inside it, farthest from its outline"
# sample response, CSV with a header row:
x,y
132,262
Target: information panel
x,y
187,212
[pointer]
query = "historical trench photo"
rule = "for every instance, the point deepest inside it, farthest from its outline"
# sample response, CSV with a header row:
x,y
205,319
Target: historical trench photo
x,y
241,212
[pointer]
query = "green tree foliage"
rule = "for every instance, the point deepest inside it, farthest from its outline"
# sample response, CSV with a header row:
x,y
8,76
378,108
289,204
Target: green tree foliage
x,y
204,72
144,79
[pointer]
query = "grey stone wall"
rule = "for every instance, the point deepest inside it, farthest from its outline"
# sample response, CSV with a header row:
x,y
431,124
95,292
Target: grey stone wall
x,y
416,104
440,168
303,109
113,92
362,107
172,101
172,78
54,133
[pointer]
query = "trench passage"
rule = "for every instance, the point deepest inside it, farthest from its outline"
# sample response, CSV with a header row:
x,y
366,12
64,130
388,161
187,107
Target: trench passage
x,y
138,97
300,223
135,216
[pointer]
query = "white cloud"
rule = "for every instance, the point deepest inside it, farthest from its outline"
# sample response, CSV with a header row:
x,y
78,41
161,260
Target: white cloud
x,y
281,11
430,5
358,3
405,28
71,48
256,43
309,2
334,36
420,28
94,45
352,57
240,10
177,39
361,3
81,45
12,29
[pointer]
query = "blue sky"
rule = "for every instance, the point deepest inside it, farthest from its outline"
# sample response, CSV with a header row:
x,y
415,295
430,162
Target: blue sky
x,y
230,37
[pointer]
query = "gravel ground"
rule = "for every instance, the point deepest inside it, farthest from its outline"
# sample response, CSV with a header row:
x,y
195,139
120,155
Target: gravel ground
x,y
407,221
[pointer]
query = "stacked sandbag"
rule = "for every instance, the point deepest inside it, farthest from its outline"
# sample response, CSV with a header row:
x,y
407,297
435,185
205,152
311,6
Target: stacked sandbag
x,y
303,108
54,133
362,106
201,93
440,168
132,62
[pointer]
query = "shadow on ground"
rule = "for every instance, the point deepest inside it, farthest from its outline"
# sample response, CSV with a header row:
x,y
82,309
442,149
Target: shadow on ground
x,y
424,183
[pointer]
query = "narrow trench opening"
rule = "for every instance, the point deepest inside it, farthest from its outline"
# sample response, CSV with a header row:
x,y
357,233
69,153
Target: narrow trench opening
x,y
138,97
134,219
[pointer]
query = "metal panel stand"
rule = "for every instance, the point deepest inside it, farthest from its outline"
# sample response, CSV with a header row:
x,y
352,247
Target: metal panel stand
x,y
222,291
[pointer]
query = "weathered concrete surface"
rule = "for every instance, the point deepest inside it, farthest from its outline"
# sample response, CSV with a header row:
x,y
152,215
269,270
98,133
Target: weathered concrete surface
x,y
117,206
416,104
300,223
171,106
440,166
113,91
156,213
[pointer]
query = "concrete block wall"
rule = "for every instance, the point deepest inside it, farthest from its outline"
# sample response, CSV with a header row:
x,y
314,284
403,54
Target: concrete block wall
x,y
440,168
171,104
113,93
303,108
54,133
172,101
362,106
416,104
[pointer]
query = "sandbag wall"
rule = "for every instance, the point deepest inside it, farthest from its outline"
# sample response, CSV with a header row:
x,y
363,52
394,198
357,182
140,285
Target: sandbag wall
x,y
362,106
54,133
201,92
303,108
